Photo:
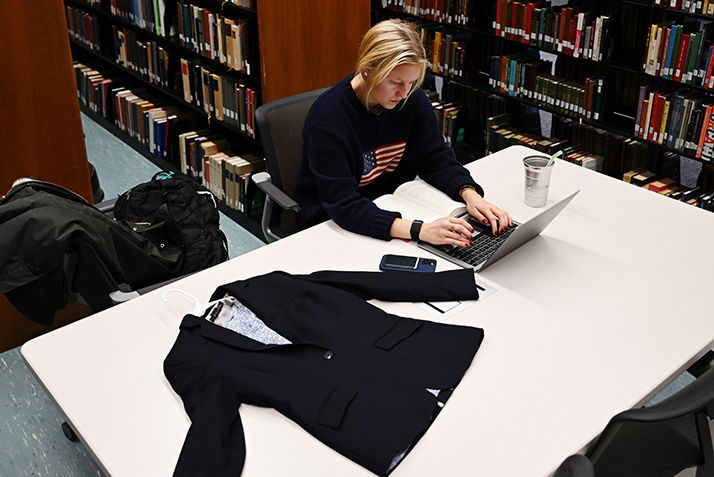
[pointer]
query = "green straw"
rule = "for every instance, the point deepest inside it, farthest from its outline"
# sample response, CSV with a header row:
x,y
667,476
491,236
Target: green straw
x,y
552,158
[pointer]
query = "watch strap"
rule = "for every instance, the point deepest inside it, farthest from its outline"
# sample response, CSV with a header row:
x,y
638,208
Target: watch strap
x,y
415,229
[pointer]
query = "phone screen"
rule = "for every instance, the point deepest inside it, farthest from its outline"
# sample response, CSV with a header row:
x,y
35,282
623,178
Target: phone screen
x,y
400,261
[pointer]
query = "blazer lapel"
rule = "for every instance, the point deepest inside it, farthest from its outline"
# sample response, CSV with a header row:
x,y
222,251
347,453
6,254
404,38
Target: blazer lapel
x,y
232,338
269,303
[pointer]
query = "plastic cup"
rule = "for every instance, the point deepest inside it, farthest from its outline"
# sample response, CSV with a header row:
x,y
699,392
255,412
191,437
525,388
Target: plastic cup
x,y
537,180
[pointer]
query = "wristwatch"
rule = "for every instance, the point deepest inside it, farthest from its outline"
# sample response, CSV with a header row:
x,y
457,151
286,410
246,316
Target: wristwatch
x,y
465,188
415,229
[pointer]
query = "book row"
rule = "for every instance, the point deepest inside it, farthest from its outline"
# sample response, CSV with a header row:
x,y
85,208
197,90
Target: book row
x,y
148,120
169,134
582,144
146,58
84,28
505,136
677,119
154,15
223,96
681,52
695,196
230,41
653,169
457,12
445,50
452,119
613,154
208,157
700,7
147,14
521,76
573,31
620,153
471,122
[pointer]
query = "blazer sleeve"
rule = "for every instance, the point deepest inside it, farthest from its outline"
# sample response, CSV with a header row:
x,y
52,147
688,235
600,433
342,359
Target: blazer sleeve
x,y
402,286
215,444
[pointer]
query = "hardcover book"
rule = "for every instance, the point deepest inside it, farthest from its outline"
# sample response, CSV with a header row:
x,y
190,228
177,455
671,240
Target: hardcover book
x,y
707,133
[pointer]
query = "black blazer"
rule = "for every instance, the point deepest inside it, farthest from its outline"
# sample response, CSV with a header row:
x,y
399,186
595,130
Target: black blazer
x,y
355,377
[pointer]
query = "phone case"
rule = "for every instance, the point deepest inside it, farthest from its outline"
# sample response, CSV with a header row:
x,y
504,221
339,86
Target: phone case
x,y
426,265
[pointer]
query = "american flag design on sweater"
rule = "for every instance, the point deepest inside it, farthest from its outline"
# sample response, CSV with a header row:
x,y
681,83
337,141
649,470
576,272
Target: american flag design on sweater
x,y
383,159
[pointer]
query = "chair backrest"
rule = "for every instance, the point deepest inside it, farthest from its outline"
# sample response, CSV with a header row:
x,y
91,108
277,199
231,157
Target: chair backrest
x,y
662,439
280,125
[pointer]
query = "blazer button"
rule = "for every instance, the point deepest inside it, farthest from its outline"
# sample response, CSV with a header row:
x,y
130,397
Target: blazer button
x,y
328,354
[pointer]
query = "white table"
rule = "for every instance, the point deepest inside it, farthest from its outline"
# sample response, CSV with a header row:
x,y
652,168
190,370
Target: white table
x,y
594,316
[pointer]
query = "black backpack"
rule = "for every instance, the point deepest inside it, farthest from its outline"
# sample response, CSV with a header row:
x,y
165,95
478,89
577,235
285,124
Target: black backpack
x,y
187,204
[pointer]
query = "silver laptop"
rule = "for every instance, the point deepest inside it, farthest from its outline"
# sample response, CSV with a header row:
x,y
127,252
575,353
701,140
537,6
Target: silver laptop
x,y
488,248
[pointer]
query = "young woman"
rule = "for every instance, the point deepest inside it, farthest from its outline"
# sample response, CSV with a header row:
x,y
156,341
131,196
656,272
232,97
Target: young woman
x,y
374,131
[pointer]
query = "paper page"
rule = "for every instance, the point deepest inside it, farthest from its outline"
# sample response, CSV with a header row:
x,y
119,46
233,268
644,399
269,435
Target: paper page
x,y
408,210
428,197
443,310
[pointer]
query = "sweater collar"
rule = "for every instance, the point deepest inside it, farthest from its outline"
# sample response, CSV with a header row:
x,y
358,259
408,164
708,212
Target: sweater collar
x,y
354,100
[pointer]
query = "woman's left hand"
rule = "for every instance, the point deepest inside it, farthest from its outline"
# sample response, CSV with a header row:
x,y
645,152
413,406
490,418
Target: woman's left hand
x,y
487,213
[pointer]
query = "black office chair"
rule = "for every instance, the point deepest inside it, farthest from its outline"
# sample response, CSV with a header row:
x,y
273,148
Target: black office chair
x,y
280,124
656,441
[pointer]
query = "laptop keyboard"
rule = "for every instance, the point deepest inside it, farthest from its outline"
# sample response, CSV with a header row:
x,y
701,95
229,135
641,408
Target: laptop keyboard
x,y
483,247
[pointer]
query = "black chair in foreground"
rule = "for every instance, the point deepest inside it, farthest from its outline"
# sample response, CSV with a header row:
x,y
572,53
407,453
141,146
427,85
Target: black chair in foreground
x,y
280,124
656,441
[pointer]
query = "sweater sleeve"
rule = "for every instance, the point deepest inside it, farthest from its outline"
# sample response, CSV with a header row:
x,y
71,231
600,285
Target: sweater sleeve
x,y
439,166
330,163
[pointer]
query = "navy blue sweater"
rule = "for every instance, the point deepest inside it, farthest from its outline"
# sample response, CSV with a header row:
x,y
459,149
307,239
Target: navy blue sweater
x,y
342,144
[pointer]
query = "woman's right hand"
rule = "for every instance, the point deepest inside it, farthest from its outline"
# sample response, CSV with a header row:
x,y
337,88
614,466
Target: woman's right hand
x,y
447,231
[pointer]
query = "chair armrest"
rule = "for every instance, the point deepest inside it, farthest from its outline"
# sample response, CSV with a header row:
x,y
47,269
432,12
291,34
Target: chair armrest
x,y
106,206
704,363
262,180
121,296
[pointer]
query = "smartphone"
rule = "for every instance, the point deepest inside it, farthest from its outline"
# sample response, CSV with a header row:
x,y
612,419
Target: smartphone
x,y
409,264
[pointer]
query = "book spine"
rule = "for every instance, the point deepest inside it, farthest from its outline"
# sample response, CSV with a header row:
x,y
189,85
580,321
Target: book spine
x,y
707,143
669,44
665,119
691,57
707,67
656,101
702,132
654,35
683,50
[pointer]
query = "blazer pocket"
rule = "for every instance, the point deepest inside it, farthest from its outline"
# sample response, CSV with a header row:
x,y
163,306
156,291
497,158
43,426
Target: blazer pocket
x,y
401,331
333,410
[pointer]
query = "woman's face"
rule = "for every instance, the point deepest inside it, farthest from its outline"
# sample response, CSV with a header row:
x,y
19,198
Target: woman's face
x,y
395,87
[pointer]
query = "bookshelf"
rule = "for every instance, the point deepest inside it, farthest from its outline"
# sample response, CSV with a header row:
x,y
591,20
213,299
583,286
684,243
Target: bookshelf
x,y
40,127
503,88
206,66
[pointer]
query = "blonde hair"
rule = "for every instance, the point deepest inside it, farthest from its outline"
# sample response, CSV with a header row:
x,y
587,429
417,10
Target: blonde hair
x,y
385,46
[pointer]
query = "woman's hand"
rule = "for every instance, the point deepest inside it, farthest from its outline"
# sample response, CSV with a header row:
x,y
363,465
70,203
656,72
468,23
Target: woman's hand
x,y
486,213
447,230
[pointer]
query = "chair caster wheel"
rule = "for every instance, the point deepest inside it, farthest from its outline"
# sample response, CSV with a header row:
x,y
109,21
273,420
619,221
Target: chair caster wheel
x,y
68,432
